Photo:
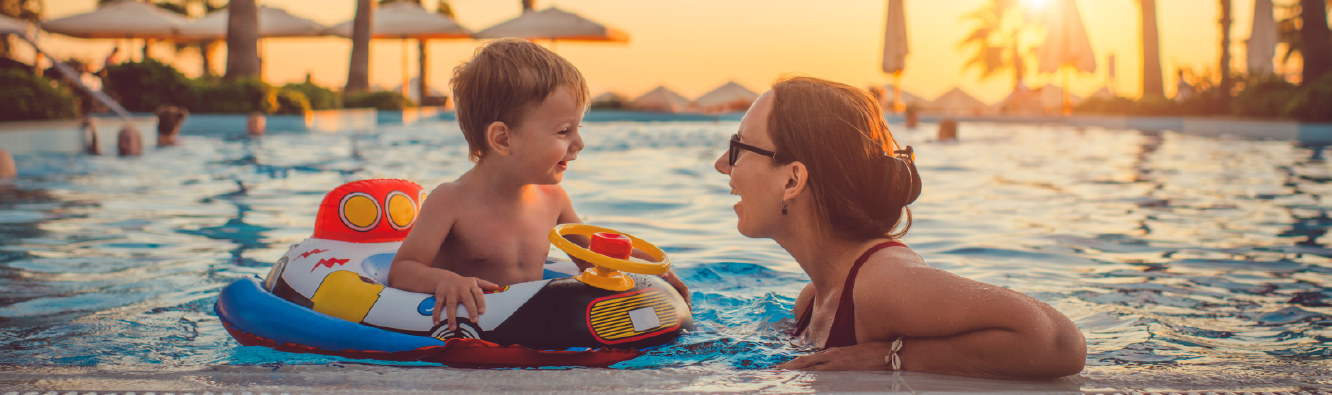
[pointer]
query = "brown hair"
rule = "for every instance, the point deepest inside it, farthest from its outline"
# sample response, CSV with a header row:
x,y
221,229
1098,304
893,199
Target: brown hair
x,y
838,132
503,80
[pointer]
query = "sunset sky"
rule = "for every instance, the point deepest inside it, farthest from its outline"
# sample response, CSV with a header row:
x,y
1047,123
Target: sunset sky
x,y
693,46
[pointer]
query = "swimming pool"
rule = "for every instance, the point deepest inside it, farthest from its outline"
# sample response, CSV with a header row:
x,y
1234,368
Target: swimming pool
x,y
1188,262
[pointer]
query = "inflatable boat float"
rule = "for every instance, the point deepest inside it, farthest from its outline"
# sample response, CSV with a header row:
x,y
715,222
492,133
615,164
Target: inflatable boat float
x,y
327,295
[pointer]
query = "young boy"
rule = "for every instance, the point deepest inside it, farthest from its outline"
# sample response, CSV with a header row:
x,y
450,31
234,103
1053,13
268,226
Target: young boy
x,y
519,106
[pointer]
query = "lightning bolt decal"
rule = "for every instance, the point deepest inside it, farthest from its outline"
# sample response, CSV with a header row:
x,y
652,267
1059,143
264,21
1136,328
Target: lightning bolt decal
x,y
328,263
312,252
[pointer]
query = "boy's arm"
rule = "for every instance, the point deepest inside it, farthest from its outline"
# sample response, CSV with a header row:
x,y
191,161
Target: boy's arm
x,y
411,270
568,216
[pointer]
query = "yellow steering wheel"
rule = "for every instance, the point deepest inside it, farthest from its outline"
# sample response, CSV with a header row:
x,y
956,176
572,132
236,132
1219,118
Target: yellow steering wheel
x,y
606,274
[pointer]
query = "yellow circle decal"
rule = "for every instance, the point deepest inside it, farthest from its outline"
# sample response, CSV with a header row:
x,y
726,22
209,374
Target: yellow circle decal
x,y
360,211
401,210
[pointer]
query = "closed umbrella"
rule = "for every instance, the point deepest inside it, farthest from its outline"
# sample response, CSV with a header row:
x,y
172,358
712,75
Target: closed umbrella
x,y
728,97
128,19
407,20
1262,39
556,25
273,22
895,49
661,99
1066,45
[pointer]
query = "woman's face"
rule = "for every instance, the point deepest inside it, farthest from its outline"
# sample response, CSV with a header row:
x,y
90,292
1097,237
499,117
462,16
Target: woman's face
x,y
755,178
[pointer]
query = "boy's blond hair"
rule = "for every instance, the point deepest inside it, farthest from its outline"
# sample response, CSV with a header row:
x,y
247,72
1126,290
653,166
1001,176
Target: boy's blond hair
x,y
503,80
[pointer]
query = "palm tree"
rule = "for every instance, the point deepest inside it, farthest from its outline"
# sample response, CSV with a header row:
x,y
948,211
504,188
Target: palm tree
x,y
1153,84
996,39
1315,40
1226,80
358,72
28,10
243,40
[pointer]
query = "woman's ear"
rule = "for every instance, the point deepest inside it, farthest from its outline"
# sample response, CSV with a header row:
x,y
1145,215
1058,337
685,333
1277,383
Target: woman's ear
x,y
797,179
497,136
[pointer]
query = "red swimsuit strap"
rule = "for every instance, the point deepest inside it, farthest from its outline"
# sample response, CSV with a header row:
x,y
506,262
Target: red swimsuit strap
x,y
843,331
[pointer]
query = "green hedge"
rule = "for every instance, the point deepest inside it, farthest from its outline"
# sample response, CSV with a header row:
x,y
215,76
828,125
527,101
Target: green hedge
x,y
381,100
143,86
30,97
320,98
241,95
292,102
1313,102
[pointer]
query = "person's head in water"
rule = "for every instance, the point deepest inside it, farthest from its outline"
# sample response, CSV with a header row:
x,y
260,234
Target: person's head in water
x,y
831,158
91,144
8,169
169,121
255,124
129,142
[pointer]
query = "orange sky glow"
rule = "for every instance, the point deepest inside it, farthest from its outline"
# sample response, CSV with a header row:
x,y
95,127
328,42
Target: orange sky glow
x,y
692,46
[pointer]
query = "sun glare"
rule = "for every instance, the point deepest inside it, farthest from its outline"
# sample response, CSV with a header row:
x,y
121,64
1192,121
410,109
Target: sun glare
x,y
1037,4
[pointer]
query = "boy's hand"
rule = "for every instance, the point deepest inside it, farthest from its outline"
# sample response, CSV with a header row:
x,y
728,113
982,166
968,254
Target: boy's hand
x,y
679,285
452,289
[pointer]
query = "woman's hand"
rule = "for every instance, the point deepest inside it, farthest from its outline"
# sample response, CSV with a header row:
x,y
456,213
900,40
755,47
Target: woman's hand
x,y
452,289
867,356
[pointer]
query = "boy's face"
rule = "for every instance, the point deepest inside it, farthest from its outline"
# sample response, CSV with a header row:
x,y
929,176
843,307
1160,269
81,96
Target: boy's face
x,y
547,138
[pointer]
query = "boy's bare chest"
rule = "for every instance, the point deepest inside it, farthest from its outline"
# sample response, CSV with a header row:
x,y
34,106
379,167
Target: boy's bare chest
x,y
503,247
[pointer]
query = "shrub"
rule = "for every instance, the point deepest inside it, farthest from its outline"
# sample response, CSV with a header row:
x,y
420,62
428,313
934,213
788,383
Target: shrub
x,y
381,100
611,101
1313,102
1105,105
30,97
320,98
1154,106
143,86
1264,97
241,95
291,101
8,64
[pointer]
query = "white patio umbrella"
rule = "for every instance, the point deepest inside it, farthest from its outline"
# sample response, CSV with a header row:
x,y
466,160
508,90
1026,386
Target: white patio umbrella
x,y
1066,45
555,25
895,49
728,97
661,99
13,26
273,22
127,19
407,20
1262,42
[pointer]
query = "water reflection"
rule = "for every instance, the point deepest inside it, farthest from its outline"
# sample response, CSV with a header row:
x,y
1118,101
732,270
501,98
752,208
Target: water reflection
x,y
1170,252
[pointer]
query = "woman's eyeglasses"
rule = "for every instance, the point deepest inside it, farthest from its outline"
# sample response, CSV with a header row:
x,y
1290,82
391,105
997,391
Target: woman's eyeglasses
x,y
736,146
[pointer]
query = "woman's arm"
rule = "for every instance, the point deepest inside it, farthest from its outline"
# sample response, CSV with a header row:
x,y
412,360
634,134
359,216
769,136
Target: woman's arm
x,y
951,325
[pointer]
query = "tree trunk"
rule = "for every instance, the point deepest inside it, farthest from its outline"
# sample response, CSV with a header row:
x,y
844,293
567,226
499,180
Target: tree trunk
x,y
1226,81
358,72
423,73
243,40
1315,41
206,57
528,5
1152,82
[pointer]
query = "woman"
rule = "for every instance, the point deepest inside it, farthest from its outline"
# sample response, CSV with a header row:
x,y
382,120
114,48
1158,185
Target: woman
x,y
818,171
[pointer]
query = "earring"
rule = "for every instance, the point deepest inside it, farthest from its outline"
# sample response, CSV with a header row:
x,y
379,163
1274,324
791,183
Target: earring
x,y
783,206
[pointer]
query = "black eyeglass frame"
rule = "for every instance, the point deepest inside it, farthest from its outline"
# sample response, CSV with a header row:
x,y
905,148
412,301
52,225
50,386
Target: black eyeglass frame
x,y
734,153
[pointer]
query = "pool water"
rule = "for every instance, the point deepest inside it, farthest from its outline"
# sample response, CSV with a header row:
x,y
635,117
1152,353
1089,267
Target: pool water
x,y
1188,262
